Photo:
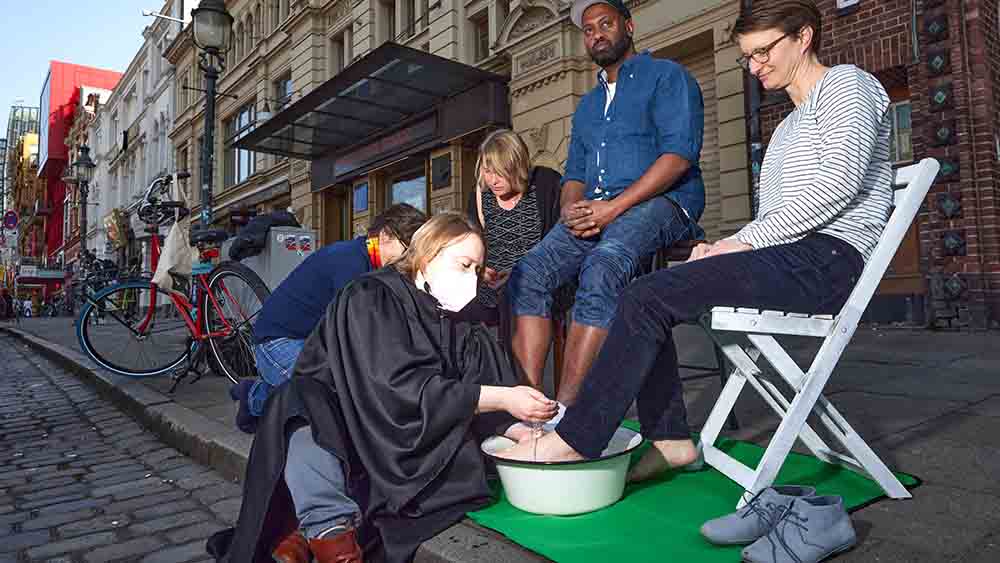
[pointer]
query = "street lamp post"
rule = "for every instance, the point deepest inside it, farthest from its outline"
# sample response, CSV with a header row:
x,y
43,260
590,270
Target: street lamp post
x,y
84,168
212,28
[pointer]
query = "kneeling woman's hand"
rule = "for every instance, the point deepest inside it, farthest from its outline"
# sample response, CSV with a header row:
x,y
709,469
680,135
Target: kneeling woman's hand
x,y
524,403
529,404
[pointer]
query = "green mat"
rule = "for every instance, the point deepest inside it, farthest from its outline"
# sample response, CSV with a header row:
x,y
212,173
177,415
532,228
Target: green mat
x,y
659,519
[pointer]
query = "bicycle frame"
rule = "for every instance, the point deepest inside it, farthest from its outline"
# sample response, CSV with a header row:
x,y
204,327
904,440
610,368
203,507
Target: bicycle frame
x,y
181,302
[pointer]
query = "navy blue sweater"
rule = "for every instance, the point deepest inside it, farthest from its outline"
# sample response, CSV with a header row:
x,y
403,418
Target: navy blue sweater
x,y
299,302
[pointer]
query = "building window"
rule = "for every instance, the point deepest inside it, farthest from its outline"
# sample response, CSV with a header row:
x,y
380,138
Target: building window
x,y
481,36
411,17
387,14
360,198
240,164
182,160
900,140
283,91
409,188
340,51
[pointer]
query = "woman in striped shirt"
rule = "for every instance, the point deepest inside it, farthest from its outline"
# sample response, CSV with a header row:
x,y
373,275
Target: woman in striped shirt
x,y
824,201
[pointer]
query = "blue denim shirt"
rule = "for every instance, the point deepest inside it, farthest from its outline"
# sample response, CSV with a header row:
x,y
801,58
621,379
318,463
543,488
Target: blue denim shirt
x,y
657,109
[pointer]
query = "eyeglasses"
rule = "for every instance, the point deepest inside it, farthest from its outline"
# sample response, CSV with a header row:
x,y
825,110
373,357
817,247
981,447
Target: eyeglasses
x,y
762,55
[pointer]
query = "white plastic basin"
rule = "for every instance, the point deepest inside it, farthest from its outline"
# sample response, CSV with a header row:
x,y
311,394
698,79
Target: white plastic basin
x,y
568,487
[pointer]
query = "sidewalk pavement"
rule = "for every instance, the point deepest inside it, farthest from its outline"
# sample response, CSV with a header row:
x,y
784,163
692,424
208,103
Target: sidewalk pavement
x,y
927,402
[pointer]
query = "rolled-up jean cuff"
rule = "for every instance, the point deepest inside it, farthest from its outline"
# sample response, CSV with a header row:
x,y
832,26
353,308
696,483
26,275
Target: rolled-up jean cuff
x,y
530,312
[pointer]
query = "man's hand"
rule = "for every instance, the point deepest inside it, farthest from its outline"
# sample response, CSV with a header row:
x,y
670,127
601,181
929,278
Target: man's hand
x,y
572,212
724,246
591,217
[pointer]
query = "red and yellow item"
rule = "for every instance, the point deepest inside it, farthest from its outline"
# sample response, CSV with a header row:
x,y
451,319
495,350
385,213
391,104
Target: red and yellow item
x,y
373,253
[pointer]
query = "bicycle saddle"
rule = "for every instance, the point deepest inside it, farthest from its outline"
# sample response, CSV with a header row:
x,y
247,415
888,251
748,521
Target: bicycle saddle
x,y
209,236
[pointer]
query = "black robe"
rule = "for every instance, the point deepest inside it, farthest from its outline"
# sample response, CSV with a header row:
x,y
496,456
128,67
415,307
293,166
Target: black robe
x,y
390,386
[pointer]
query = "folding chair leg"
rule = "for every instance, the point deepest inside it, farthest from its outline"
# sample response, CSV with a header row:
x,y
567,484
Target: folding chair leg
x,y
720,360
864,458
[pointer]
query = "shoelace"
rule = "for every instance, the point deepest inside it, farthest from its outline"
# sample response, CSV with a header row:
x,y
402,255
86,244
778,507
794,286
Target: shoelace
x,y
763,514
787,517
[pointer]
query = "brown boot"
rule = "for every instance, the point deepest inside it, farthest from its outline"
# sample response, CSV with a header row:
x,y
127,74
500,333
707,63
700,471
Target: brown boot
x,y
342,548
293,548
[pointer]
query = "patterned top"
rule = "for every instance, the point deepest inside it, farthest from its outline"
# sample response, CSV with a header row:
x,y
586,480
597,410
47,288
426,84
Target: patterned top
x,y
827,167
509,236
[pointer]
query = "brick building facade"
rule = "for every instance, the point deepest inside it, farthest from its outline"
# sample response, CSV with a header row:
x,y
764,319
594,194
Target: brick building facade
x,y
939,61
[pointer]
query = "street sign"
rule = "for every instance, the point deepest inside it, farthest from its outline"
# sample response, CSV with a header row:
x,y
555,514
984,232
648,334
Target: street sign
x,y
10,219
29,271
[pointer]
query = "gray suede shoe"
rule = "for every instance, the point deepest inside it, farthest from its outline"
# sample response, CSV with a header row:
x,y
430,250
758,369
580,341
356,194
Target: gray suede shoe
x,y
808,531
755,519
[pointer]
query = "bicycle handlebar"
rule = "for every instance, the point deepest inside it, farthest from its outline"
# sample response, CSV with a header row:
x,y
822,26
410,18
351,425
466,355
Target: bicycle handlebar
x,y
151,198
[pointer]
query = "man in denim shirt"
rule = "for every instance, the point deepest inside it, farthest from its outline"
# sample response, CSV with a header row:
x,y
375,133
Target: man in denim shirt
x,y
632,185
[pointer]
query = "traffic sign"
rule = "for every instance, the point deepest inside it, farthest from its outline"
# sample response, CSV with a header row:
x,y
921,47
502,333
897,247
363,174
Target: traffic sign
x,y
10,219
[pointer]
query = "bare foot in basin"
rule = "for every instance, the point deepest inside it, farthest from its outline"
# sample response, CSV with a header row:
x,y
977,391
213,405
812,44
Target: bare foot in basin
x,y
550,447
664,455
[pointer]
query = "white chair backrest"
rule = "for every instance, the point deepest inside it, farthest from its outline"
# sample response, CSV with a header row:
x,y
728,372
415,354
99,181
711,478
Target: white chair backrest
x,y
911,185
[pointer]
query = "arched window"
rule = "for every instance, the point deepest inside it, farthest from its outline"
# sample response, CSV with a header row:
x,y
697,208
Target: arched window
x,y
239,41
260,21
251,34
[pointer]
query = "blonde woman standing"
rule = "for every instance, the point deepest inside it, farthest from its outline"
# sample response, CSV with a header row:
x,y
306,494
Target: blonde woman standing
x,y
516,205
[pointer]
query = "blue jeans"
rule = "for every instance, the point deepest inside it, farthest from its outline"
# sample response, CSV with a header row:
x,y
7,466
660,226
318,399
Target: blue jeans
x,y
638,361
275,360
604,264
316,481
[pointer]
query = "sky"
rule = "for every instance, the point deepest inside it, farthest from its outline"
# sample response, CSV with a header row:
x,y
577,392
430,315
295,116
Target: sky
x,y
100,33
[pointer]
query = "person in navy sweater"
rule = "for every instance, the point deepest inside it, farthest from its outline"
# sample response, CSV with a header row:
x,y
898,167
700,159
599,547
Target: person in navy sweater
x,y
300,301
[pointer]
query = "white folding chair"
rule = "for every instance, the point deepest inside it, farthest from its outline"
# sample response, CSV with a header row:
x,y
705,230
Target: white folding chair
x,y
744,335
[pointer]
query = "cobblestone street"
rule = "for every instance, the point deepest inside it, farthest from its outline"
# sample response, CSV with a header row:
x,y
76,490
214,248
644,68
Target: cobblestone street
x,y
82,482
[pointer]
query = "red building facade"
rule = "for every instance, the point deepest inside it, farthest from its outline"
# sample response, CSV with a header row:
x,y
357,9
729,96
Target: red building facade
x,y
59,100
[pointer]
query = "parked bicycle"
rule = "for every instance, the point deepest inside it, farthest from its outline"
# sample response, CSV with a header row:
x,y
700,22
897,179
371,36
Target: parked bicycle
x,y
138,329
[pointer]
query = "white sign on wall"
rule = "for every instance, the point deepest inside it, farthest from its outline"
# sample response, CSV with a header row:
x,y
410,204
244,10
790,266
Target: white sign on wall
x,y
844,4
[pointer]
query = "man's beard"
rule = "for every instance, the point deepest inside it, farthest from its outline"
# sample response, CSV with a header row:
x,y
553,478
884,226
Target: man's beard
x,y
612,54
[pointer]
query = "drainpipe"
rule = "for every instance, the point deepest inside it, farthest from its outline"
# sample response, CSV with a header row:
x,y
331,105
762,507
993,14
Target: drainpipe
x,y
755,144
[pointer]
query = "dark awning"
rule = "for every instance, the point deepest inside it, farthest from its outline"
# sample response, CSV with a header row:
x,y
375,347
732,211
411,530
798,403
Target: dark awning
x,y
376,94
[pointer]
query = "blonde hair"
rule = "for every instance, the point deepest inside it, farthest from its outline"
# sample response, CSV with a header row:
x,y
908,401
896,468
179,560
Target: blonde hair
x,y
440,231
504,153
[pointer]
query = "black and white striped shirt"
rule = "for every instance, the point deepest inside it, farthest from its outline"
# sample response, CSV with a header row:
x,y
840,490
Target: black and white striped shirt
x,y
827,166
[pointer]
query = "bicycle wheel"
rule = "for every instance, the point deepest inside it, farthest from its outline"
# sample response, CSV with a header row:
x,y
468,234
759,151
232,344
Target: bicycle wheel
x,y
240,294
124,329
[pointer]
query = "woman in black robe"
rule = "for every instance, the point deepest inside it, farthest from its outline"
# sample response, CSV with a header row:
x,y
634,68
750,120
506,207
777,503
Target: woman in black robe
x,y
390,388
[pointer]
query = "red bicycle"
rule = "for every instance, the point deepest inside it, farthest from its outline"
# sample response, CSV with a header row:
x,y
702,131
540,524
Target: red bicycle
x,y
138,329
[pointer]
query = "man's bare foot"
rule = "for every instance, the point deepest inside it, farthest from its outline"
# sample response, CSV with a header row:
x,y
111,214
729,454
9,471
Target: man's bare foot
x,y
550,447
664,455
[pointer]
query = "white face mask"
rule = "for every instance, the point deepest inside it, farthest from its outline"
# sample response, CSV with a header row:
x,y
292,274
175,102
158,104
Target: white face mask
x,y
449,278
453,290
